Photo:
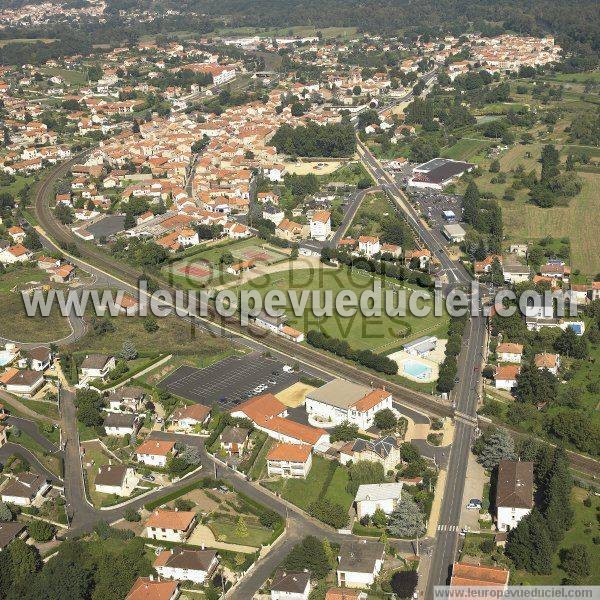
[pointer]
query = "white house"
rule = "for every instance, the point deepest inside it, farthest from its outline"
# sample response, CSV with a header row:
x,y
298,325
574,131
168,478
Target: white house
x,y
116,479
383,496
170,525
126,399
15,254
548,361
24,382
340,400
320,225
289,585
119,424
515,273
39,358
24,489
185,564
510,353
97,366
155,452
289,460
188,237
359,563
190,416
369,245
514,493
506,377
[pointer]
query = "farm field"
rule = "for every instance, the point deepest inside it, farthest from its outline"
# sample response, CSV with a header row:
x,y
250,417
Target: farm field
x,y
466,149
375,333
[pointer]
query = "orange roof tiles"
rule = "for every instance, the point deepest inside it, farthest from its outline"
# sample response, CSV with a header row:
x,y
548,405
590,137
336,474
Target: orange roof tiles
x,y
177,520
290,452
477,575
372,399
146,589
156,447
260,408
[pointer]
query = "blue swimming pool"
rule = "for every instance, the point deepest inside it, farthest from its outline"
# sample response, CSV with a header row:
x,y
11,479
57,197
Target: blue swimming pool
x,y
5,357
416,369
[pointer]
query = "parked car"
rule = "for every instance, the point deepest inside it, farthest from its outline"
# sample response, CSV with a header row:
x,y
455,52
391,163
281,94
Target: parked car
x,y
474,504
287,369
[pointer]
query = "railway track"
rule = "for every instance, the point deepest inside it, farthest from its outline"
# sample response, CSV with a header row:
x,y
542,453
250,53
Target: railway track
x,y
130,276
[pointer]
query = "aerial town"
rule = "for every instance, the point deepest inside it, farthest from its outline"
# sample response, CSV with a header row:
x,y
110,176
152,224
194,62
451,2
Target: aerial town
x,y
153,148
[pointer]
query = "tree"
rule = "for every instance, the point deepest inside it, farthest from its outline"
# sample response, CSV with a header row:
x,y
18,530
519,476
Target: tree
x,y
409,452
406,520
550,163
191,455
241,529
41,531
128,351
132,515
344,432
570,344
309,554
5,513
493,447
64,213
471,204
32,240
379,518
25,560
528,544
386,420
575,561
150,324
404,583
495,166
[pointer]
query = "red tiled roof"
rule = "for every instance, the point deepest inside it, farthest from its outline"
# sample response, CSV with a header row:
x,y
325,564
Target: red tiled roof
x,y
178,520
290,452
146,589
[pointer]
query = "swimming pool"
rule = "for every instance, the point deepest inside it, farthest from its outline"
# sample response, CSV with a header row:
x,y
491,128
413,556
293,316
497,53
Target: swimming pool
x,y
416,369
5,357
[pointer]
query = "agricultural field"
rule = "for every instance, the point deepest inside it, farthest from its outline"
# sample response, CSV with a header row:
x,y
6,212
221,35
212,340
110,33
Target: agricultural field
x,y
375,333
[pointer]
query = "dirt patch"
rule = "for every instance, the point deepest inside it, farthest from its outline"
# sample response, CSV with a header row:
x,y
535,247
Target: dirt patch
x,y
317,168
202,501
294,395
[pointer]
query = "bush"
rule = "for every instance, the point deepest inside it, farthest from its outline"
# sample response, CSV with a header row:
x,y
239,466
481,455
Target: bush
x,y
329,512
132,515
41,531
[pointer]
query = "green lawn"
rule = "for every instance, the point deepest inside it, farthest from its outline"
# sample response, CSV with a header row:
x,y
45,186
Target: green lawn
x,y
367,220
226,529
466,149
303,492
336,491
48,409
585,529
380,334
21,275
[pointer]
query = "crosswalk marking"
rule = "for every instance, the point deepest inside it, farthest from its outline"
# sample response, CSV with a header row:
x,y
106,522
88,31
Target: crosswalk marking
x,y
447,528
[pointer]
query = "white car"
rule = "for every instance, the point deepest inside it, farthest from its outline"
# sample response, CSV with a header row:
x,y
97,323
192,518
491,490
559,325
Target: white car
x,y
287,369
474,504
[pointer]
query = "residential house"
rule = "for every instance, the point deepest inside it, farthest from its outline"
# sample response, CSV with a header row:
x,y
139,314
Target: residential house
x,y
478,576
382,496
555,269
273,213
385,450
515,273
369,245
15,254
506,377
509,353
17,234
190,416
240,267
127,399
39,358
290,230
119,424
548,361
145,588
128,305
320,225
119,480
289,460
579,293
341,400
483,267
514,493
359,563
290,585
10,531
421,258
234,439
155,452
24,489
23,382
185,564
170,525
97,366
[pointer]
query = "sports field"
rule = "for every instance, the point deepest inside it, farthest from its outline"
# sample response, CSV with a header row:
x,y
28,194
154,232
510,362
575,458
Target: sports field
x,y
380,333
205,267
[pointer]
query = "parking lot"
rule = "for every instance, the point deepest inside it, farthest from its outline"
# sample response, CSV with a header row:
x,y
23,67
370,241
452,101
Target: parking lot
x,y
432,204
229,382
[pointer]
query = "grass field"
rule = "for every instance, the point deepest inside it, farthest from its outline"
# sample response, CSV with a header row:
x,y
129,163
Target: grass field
x,y
174,336
303,492
25,41
375,333
466,149
72,77
16,325
367,220
225,529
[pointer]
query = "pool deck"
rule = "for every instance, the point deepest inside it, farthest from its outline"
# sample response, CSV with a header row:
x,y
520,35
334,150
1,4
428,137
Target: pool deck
x,y
402,356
